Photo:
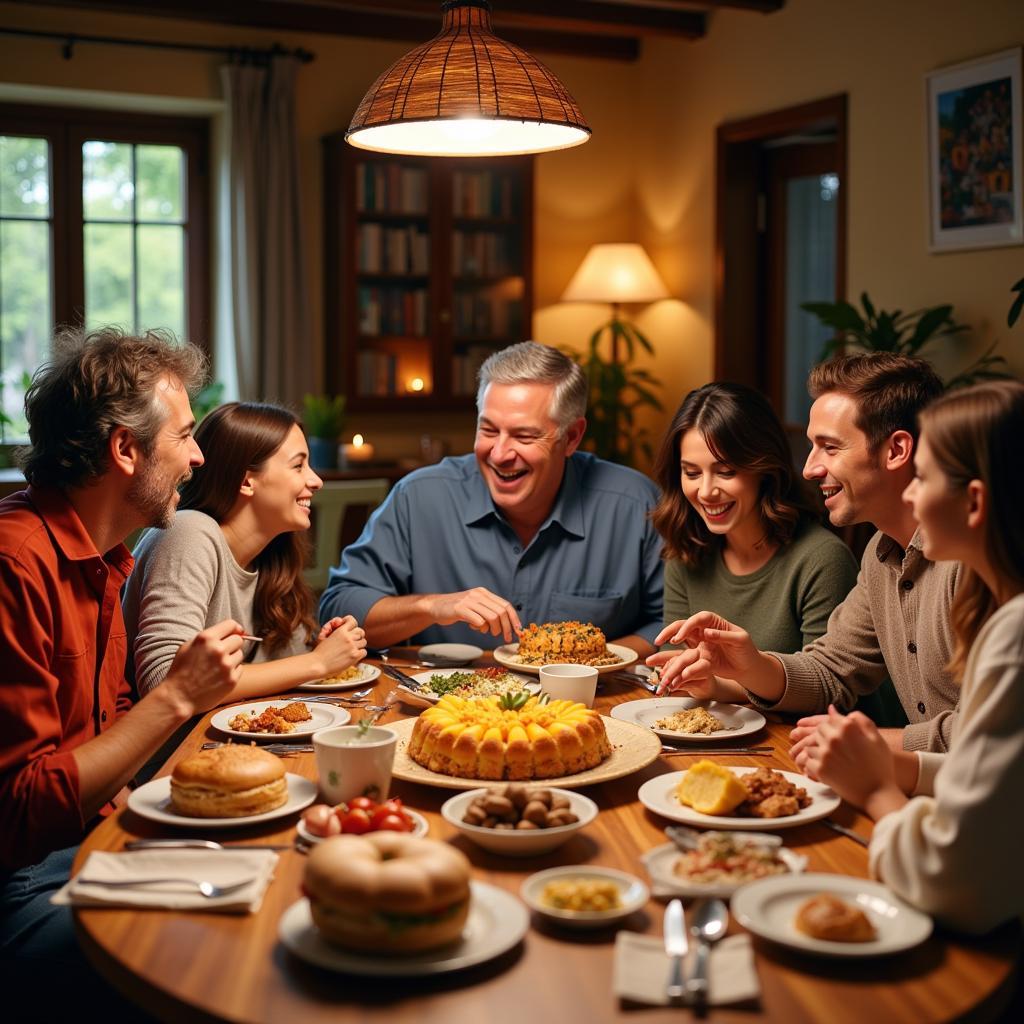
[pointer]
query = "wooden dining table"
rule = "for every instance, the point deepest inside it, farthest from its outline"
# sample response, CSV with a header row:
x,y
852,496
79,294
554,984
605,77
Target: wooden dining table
x,y
210,966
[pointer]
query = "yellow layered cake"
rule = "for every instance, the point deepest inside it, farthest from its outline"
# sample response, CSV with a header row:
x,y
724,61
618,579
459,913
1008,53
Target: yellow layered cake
x,y
478,738
575,643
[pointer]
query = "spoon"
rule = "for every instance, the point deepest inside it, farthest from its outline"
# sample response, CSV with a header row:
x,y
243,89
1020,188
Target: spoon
x,y
709,921
207,889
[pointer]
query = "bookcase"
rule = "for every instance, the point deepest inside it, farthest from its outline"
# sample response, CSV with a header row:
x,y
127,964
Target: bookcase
x,y
428,270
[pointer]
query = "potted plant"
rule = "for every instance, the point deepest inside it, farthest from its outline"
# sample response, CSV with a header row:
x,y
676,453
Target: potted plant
x,y
324,417
907,334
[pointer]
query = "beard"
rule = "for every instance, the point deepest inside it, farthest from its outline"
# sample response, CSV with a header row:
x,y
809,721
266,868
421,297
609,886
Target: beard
x,y
152,495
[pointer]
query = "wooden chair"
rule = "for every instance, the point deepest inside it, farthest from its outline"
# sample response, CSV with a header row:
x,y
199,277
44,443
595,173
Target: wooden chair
x,y
339,513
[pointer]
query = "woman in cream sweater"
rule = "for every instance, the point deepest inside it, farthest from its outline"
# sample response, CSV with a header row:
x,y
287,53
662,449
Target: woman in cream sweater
x,y
948,831
236,549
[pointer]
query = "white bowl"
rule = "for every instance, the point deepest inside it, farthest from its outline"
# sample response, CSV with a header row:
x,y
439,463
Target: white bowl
x,y
633,894
524,842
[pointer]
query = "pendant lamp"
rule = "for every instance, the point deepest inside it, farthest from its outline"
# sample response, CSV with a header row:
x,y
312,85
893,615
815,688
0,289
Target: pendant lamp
x,y
467,93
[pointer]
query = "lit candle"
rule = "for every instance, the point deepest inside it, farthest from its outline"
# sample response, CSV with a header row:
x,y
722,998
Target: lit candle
x,y
359,450
415,385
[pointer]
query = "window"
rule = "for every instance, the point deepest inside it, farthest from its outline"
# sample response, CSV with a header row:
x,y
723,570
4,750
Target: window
x,y
103,220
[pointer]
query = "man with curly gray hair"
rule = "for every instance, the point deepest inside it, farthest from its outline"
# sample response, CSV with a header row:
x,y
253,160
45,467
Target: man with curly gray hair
x,y
525,529
111,438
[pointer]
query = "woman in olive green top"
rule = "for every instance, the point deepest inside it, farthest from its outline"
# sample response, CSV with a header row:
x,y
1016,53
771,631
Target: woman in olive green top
x,y
741,535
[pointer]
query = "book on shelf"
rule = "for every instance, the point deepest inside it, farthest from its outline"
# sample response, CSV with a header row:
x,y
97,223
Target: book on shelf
x,y
378,372
483,253
391,188
401,250
399,311
482,194
484,314
465,367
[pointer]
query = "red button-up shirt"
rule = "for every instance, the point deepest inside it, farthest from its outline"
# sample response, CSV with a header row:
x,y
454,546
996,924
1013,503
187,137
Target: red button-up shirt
x,y
62,660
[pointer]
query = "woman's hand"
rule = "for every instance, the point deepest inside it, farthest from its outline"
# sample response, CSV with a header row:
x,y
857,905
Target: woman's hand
x,y
848,753
341,643
716,648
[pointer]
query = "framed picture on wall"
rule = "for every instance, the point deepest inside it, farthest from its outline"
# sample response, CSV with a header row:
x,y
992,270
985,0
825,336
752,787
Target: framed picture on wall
x,y
974,154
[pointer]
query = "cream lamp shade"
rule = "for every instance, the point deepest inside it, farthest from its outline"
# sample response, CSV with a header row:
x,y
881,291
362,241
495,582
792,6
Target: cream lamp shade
x,y
467,93
616,272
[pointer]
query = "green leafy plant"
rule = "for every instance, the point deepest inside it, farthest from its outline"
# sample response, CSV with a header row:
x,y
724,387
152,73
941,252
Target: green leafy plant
x,y
324,416
207,400
909,334
1018,303
616,391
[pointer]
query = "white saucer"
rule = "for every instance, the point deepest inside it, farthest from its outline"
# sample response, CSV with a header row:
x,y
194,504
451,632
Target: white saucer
x,y
452,654
497,921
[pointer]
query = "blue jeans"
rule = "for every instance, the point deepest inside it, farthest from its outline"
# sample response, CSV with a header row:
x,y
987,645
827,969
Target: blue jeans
x,y
43,972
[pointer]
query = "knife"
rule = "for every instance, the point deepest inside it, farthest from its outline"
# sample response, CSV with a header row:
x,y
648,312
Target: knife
x,y
399,676
745,751
676,947
848,832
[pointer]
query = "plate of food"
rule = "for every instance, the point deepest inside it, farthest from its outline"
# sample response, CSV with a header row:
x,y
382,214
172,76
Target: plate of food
x,y
830,915
225,787
394,905
564,643
584,896
469,682
277,719
358,817
685,720
349,679
746,799
590,748
720,864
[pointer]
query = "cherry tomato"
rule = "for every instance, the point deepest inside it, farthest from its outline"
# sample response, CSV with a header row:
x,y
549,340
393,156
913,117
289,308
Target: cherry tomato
x,y
361,803
317,818
394,805
393,823
356,822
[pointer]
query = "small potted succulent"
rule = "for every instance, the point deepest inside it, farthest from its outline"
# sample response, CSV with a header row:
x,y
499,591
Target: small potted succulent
x,y
324,417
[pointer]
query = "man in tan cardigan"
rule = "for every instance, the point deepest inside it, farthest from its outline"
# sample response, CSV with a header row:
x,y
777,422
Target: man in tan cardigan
x,y
895,621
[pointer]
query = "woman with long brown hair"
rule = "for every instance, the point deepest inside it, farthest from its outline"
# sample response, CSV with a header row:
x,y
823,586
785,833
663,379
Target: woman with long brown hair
x,y
237,549
947,837
741,535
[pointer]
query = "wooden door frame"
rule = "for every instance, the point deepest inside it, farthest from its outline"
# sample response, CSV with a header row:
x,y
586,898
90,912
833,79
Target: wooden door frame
x,y
740,244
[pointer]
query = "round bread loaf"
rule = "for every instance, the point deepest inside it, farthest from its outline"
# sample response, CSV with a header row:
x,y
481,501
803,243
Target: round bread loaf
x,y
832,919
387,892
228,782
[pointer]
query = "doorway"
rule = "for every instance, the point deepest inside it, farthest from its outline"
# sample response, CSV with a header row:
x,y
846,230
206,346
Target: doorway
x,y
780,241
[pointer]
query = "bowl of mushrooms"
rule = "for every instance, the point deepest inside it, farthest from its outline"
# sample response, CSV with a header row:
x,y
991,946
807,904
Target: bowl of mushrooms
x,y
519,820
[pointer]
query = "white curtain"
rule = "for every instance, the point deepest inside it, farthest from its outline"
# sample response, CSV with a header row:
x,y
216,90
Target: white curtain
x,y
269,302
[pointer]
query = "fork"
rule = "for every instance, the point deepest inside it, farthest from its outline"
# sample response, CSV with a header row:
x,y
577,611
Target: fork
x,y
207,889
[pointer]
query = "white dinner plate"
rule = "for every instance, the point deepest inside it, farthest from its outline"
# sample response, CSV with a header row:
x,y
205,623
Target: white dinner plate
x,y
497,921
153,801
323,716
532,685
420,827
507,655
660,861
453,654
659,795
741,721
768,908
367,674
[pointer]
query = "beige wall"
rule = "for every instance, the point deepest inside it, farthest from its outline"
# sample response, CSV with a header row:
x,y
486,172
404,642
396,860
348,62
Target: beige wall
x,y
876,51
648,173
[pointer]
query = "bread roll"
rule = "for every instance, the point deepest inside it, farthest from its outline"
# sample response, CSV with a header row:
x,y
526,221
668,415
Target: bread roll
x,y
832,919
228,782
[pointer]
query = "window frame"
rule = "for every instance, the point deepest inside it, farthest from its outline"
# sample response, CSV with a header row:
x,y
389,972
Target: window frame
x,y
66,129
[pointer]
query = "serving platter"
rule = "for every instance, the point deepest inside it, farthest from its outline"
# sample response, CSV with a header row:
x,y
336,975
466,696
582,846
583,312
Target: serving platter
x,y
633,748
497,922
153,802
322,717
507,655
741,721
768,908
367,674
659,795
430,697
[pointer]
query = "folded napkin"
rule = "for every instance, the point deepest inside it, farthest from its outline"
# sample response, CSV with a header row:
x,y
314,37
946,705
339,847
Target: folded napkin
x,y
641,970
221,867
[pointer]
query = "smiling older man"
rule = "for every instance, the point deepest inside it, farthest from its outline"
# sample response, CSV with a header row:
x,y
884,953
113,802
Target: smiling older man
x,y
526,529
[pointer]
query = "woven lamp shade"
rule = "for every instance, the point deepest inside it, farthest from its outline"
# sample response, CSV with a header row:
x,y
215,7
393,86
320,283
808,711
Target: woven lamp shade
x,y
467,93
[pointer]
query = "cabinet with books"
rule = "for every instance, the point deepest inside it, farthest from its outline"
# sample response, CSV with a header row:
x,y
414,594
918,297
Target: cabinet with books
x,y
428,266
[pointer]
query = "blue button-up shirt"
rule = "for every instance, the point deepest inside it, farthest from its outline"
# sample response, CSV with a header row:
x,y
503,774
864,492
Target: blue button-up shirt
x,y
596,557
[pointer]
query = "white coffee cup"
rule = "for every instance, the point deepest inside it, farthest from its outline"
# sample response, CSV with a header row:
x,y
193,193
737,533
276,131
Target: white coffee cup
x,y
570,682
351,765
